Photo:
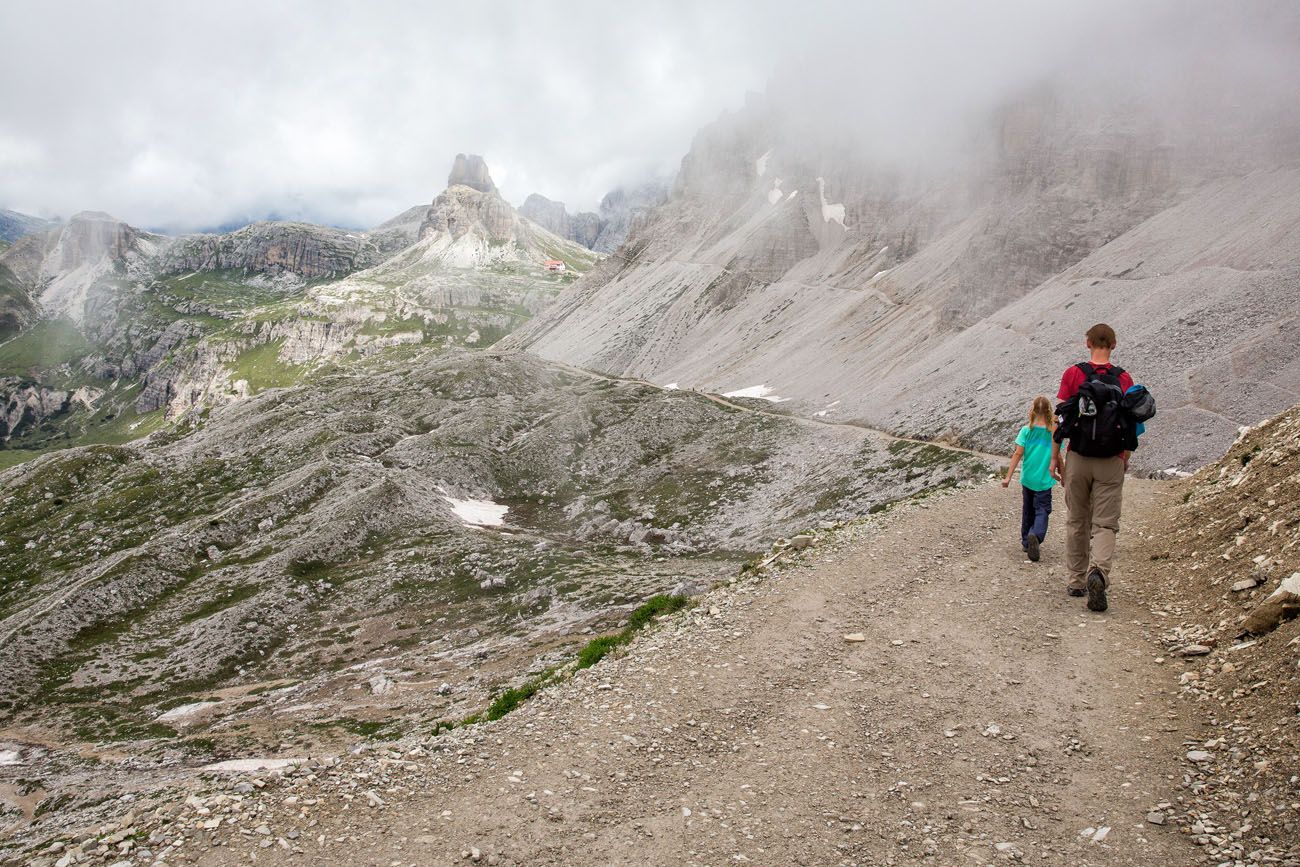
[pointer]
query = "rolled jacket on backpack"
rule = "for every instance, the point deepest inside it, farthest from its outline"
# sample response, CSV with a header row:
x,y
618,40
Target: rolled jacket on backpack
x,y
1139,403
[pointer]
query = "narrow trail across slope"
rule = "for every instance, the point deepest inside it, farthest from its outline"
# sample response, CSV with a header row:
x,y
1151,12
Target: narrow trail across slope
x,y
985,717
799,419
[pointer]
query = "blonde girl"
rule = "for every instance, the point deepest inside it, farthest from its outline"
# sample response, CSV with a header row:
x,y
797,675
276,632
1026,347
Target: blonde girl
x,y
1034,449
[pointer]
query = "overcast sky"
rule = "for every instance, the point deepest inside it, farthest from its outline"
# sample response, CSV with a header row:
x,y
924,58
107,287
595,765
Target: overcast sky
x,y
180,115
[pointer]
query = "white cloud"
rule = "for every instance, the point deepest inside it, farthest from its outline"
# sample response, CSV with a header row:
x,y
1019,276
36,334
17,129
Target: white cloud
x,y
185,114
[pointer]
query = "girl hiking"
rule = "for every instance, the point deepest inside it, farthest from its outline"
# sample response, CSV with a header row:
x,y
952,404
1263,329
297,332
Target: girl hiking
x,y
1034,447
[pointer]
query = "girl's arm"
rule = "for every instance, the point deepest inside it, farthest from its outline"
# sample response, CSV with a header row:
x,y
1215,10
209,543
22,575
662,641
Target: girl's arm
x,y
1015,462
1058,461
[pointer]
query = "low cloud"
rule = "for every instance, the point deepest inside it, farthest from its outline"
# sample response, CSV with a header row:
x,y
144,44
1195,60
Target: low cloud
x,y
182,115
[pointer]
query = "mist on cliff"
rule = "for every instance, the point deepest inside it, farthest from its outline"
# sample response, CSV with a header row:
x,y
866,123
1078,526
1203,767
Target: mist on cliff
x,y
185,115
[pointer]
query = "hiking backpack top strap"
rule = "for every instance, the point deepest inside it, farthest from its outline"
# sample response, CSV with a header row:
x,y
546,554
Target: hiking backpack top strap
x,y
1087,368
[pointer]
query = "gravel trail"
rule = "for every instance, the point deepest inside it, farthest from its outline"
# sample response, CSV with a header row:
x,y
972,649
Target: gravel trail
x,y
985,717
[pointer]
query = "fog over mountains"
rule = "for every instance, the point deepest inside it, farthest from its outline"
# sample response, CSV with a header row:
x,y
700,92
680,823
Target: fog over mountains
x,y
701,291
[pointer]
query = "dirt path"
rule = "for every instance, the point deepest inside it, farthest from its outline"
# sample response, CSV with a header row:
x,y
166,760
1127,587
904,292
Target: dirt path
x,y
986,717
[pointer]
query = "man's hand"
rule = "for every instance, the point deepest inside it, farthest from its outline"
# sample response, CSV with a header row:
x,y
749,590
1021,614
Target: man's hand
x,y
1057,470
1125,456
1006,482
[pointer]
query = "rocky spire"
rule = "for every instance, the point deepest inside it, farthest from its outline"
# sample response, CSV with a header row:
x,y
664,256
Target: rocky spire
x,y
471,170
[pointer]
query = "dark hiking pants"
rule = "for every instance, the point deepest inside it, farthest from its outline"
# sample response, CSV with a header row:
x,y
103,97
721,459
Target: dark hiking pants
x,y
1035,509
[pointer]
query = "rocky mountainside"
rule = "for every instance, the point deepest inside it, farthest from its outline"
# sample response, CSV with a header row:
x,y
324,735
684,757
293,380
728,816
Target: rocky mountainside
x,y
939,302
15,225
381,548
603,232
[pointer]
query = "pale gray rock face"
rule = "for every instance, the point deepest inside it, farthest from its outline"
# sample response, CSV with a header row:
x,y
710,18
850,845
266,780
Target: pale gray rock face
x,y
585,228
64,271
623,209
25,406
550,215
620,210
940,304
399,232
471,170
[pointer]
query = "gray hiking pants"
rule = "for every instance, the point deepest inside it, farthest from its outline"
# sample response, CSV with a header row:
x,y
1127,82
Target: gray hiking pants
x,y
1094,491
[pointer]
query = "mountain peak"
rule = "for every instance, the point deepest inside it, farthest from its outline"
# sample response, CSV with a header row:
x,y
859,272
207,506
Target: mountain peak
x,y
471,170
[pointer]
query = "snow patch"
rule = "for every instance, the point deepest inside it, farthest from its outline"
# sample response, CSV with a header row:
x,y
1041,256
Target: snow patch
x,y
774,194
761,392
760,164
252,764
831,212
185,711
10,757
672,386
478,513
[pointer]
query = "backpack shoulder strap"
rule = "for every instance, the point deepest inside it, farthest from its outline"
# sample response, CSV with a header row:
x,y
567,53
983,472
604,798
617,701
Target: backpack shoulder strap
x,y
1086,367
1116,371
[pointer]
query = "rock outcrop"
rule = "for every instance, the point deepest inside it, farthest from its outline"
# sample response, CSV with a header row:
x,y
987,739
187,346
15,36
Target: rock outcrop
x,y
301,249
620,210
623,209
471,170
24,406
548,214
399,232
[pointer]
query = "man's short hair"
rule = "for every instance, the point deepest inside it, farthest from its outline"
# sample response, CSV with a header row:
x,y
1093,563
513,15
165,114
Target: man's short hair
x,y
1101,336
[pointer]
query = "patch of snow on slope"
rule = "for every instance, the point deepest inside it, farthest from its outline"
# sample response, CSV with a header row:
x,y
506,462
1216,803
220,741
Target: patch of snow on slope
x,y
672,386
760,164
478,513
761,392
774,194
185,711
830,212
252,764
10,757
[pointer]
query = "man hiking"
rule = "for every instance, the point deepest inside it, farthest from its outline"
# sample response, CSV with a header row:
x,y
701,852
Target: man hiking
x,y
1092,419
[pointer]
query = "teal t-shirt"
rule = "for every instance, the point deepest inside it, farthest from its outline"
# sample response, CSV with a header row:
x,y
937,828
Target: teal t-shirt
x,y
1035,466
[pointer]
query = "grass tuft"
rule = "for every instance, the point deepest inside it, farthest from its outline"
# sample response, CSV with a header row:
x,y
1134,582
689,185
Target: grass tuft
x,y
590,654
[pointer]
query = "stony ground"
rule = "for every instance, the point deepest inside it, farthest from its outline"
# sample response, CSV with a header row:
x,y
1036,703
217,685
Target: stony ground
x,y
984,717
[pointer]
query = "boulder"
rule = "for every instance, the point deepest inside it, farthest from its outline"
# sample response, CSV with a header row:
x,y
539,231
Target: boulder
x,y
1282,604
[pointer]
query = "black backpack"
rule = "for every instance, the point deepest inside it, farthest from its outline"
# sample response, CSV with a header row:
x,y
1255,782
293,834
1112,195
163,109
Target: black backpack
x,y
1095,420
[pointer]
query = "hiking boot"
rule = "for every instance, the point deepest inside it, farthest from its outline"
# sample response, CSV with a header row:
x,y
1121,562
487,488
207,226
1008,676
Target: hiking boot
x,y
1096,591
1031,547
1075,591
